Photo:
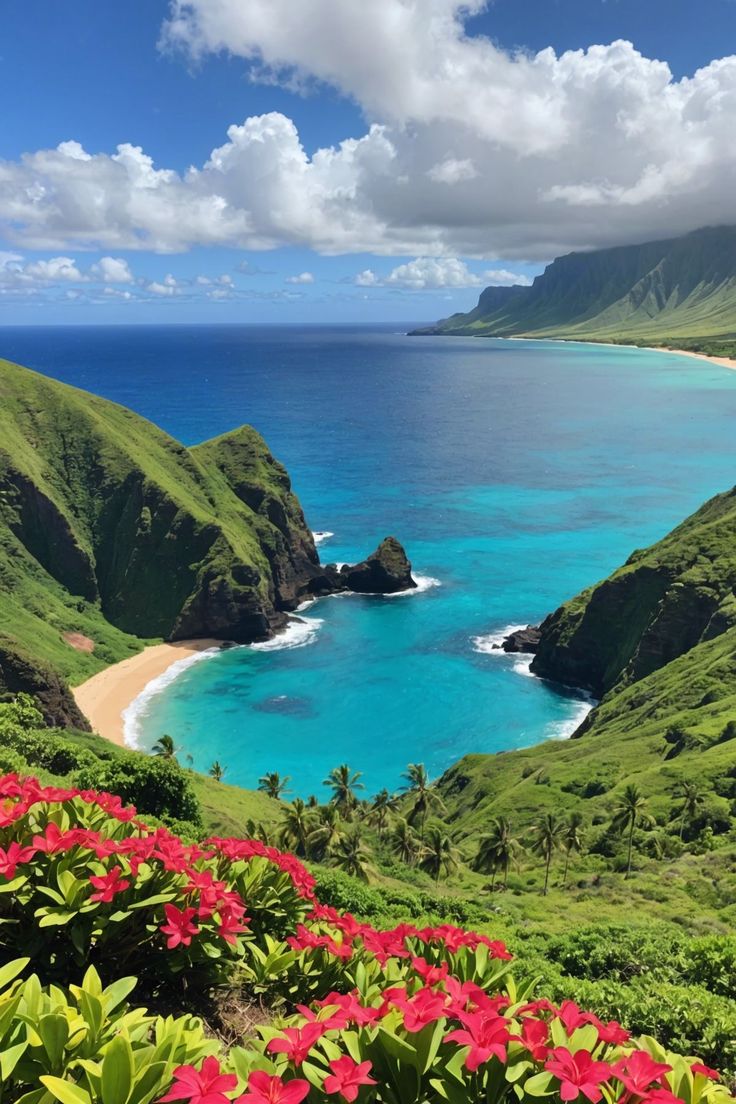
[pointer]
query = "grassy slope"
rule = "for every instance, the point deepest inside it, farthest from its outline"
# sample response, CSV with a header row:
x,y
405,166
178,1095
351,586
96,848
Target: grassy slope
x,y
111,528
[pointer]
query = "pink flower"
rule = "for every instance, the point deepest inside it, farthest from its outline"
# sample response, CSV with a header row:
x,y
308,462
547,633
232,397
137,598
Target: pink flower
x,y
578,1073
486,1035
11,858
205,1086
296,1042
638,1071
534,1036
179,926
108,885
571,1016
263,1089
423,1008
612,1032
347,1076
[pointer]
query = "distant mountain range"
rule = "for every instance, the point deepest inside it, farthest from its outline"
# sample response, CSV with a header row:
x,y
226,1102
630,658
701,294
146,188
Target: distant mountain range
x,y
678,291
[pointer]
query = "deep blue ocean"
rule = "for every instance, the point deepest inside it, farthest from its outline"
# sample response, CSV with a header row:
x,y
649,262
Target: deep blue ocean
x,y
515,473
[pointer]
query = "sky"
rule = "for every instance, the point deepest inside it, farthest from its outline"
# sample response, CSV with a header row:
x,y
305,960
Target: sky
x,y
345,160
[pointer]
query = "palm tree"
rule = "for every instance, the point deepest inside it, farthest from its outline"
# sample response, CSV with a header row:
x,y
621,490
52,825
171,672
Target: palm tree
x,y
165,747
352,856
327,833
423,793
546,839
692,799
257,830
296,827
313,801
628,813
404,842
439,856
384,803
499,850
343,782
572,839
217,771
274,785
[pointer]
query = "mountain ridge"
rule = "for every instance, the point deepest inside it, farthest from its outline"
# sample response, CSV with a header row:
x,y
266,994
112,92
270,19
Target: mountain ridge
x,y
653,292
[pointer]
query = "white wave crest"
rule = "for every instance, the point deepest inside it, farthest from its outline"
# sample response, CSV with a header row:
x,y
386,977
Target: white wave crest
x,y
563,730
322,535
424,583
134,714
297,634
491,644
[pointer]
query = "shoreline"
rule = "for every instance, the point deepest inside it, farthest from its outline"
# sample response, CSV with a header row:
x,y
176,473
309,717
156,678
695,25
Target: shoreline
x,y
723,362
106,697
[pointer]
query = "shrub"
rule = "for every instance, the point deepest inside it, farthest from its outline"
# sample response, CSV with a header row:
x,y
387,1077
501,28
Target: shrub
x,y
154,785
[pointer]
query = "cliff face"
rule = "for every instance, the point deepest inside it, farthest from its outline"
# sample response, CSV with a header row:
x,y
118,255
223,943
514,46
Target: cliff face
x,y
654,291
112,532
657,607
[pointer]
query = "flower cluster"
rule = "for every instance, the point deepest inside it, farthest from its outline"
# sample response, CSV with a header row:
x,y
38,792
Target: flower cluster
x,y
380,1017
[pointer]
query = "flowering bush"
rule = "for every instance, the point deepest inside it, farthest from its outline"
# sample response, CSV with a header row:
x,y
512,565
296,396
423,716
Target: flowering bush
x,y
427,1015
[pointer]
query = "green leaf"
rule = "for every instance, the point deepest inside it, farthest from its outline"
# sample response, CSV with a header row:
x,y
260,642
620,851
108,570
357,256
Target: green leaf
x,y
54,1032
9,1059
117,1071
66,1091
11,970
116,993
539,1085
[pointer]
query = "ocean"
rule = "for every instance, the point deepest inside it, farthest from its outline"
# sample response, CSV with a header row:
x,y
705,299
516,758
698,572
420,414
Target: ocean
x,y
515,473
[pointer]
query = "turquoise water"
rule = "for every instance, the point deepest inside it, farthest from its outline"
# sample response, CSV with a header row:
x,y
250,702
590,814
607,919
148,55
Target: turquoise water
x,y
514,472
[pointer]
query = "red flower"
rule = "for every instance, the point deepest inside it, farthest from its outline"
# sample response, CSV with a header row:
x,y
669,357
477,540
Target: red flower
x,y
431,975
577,1073
205,1086
571,1016
662,1096
486,1035
612,1032
534,1036
108,885
347,1076
638,1071
263,1089
296,1042
424,1008
706,1071
179,927
14,855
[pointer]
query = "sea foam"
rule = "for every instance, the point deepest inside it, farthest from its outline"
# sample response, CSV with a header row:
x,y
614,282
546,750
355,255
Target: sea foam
x,y
491,644
322,535
297,634
134,714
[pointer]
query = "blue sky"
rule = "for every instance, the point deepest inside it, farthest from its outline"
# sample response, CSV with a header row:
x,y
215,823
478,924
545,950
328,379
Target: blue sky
x,y
542,136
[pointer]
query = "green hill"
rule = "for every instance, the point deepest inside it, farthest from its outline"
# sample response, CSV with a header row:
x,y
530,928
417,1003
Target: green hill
x,y
657,643
113,533
683,289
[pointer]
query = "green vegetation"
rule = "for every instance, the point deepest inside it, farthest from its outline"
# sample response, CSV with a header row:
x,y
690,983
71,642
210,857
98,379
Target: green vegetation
x,y
112,534
679,293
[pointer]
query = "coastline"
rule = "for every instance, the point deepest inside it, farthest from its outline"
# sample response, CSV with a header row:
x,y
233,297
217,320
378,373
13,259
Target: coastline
x,y
723,362
106,696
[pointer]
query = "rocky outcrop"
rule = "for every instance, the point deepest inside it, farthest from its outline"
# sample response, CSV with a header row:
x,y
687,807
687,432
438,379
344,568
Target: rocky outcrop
x,y
21,673
523,640
662,603
112,530
386,571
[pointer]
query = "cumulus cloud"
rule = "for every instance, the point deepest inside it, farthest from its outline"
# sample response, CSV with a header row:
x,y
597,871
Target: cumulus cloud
x,y
437,272
167,287
112,270
302,278
467,150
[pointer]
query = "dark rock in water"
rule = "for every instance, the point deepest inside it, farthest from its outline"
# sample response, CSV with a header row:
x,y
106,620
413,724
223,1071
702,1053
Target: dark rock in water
x,y
287,706
523,640
386,571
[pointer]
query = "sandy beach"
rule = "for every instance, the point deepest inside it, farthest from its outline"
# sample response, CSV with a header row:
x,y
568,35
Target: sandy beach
x,y
104,697
725,362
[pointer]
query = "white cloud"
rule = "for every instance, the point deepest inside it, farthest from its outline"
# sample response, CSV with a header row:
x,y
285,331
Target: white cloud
x,y
453,171
302,278
468,151
437,272
55,270
117,293
502,277
167,287
112,270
